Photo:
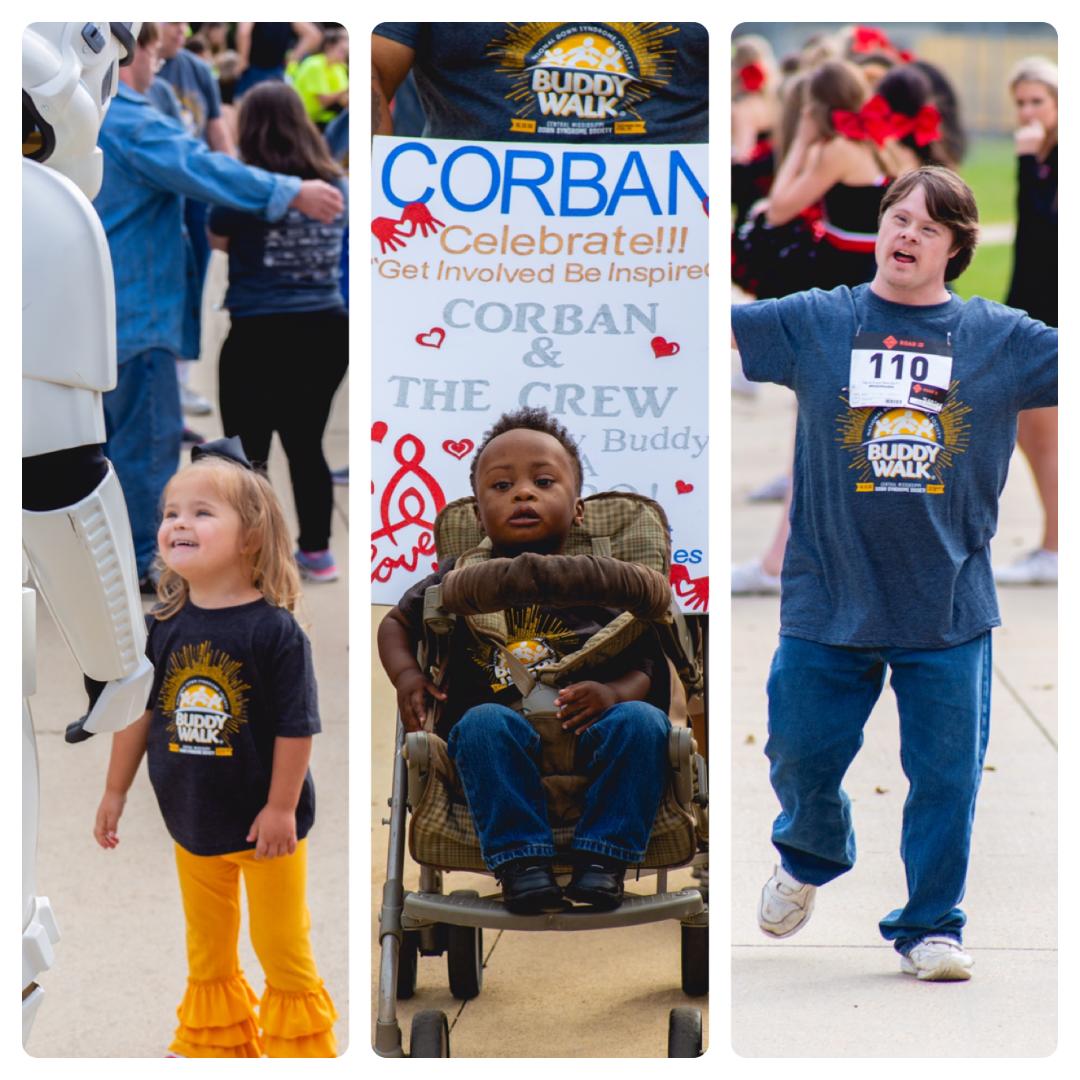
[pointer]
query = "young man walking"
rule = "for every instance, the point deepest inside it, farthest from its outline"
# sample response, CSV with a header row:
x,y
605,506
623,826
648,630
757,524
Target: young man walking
x,y
908,402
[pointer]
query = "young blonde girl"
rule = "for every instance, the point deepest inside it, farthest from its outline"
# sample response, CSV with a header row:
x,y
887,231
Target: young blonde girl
x,y
228,736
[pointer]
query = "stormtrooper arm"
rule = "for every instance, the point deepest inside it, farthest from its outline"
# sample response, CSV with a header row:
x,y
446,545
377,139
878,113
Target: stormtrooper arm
x,y
76,534
78,544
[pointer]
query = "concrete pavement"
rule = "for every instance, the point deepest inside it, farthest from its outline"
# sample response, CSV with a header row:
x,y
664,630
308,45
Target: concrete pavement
x,y
835,988
120,966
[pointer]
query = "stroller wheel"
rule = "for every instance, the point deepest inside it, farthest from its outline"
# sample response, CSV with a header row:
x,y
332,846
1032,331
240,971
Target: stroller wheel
x,y
430,1035
408,956
683,1033
695,960
465,955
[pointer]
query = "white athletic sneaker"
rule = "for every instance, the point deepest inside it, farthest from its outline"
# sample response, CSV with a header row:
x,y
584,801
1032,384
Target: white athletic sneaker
x,y
748,579
1038,567
937,959
786,904
192,403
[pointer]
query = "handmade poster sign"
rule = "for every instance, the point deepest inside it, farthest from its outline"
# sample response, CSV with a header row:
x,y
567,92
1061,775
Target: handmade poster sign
x,y
573,279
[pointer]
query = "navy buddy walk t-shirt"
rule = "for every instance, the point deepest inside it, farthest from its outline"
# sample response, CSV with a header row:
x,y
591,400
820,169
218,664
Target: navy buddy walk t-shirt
x,y
560,82
894,508
227,682
284,266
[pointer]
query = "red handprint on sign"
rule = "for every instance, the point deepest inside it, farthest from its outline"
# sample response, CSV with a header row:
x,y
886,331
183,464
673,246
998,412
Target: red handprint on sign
x,y
388,234
419,216
694,592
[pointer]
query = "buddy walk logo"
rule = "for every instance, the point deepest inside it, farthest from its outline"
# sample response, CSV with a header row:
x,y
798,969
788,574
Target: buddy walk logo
x,y
904,450
203,695
583,77
532,636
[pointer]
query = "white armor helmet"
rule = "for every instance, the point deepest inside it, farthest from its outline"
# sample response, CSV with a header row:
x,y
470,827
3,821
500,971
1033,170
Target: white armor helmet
x,y
69,74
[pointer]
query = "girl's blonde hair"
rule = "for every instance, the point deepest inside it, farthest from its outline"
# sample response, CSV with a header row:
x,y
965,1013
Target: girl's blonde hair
x,y
265,535
1035,69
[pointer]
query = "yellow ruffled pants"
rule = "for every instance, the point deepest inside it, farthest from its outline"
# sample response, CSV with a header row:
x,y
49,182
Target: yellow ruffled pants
x,y
217,1015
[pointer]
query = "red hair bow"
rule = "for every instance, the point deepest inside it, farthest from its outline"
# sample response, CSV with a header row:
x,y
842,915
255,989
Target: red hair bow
x,y
873,121
752,77
869,39
925,125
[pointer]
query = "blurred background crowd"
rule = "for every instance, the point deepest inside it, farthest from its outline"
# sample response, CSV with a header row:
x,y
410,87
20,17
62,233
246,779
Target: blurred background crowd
x,y
824,118
229,136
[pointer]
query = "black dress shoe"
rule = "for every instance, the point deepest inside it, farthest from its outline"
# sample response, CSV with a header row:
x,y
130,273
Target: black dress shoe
x,y
529,887
598,882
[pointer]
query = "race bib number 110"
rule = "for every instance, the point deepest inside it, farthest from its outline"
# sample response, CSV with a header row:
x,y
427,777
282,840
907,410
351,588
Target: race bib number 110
x,y
892,371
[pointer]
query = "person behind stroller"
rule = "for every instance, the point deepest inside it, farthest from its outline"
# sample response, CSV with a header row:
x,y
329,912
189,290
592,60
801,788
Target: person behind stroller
x,y
527,478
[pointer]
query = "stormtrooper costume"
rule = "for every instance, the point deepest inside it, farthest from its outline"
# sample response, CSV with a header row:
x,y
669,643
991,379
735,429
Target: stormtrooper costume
x,y
76,538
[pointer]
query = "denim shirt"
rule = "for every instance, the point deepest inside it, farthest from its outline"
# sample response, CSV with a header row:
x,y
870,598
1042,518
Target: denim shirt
x,y
150,164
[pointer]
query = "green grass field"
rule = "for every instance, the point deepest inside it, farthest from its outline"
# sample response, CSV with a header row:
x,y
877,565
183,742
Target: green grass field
x,y
990,169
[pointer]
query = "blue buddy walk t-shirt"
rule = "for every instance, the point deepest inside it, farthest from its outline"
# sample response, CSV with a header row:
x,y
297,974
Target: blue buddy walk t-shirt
x,y
227,683
560,82
893,508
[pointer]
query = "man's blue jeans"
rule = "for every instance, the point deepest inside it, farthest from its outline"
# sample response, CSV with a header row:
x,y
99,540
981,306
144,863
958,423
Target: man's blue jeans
x,y
144,425
624,754
820,697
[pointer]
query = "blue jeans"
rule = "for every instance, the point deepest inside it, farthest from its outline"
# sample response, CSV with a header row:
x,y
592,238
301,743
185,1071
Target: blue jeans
x,y
624,755
820,697
143,426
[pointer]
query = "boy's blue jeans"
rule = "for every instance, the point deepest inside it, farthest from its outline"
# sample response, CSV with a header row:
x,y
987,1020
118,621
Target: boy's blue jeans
x,y
624,754
820,697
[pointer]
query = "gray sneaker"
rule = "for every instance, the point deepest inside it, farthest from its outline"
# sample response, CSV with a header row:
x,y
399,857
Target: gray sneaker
x,y
775,490
786,904
937,959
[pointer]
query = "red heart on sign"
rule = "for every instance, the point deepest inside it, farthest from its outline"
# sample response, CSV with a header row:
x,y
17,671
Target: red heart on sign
x,y
460,448
433,339
378,431
683,488
663,347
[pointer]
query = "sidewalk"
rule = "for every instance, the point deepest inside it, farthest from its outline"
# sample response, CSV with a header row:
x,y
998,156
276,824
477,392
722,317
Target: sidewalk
x,y
836,989
120,965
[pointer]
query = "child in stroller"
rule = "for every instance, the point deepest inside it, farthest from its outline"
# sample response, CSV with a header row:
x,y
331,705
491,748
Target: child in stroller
x,y
526,478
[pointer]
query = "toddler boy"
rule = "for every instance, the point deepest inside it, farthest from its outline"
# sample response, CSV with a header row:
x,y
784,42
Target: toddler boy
x,y
527,478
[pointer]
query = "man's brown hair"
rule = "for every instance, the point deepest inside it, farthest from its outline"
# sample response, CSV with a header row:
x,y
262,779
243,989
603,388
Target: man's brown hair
x,y
949,202
148,34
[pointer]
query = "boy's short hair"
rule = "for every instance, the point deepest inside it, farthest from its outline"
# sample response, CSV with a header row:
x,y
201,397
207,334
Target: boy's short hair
x,y
949,201
533,419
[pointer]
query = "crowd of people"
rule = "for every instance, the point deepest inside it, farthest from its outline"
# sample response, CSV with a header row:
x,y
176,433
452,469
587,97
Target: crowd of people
x,y
185,135
219,137
817,138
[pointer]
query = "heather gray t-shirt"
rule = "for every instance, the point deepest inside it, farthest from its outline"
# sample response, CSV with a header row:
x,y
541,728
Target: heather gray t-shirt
x,y
894,508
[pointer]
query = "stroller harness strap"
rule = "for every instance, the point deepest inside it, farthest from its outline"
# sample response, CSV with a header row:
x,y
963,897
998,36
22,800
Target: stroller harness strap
x,y
478,585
